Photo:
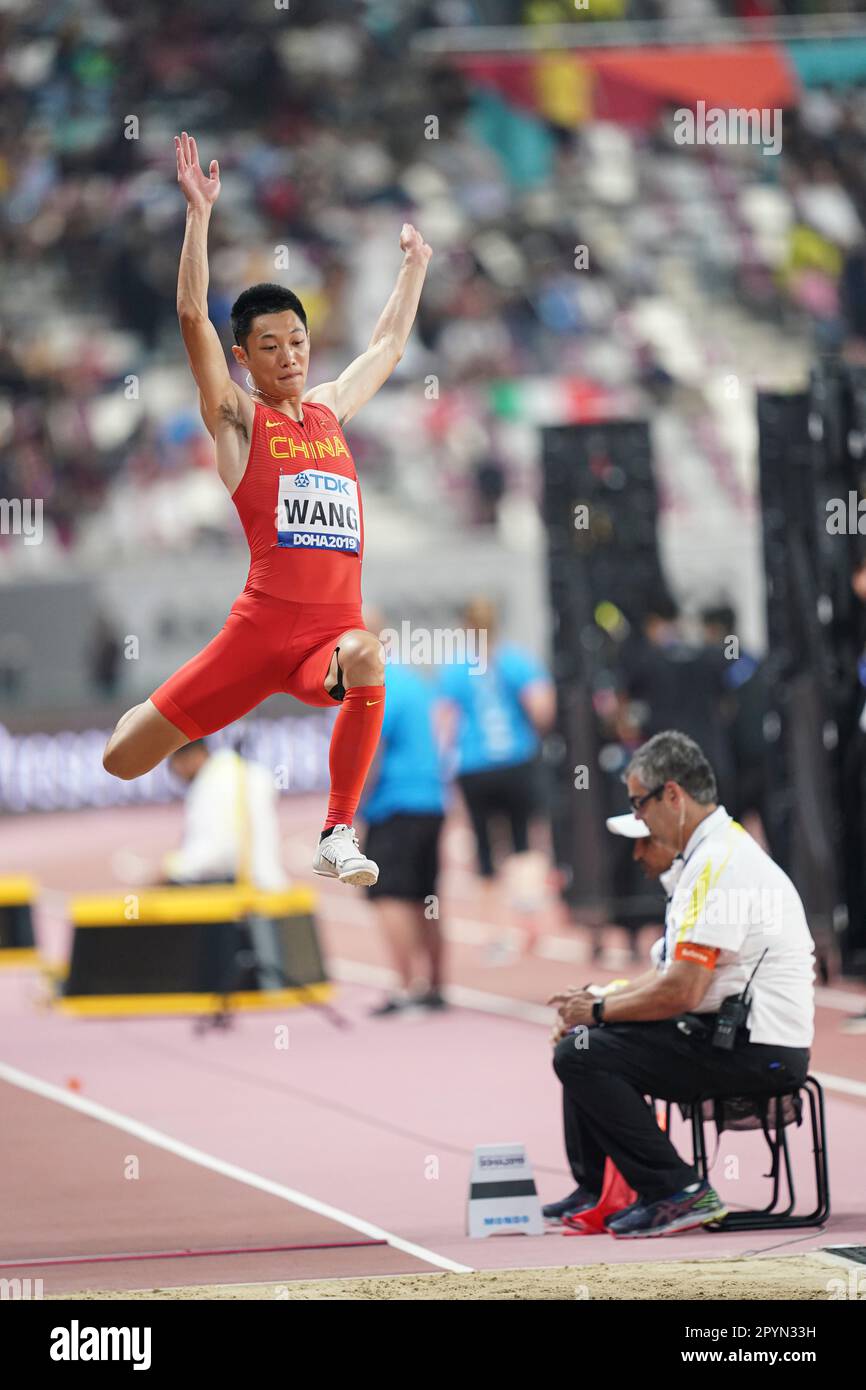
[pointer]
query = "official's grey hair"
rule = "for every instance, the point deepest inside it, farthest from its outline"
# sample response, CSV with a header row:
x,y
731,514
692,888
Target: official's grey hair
x,y
674,757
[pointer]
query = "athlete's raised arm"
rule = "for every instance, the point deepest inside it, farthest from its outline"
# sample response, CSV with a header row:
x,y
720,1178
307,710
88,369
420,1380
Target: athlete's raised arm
x,y
363,377
226,409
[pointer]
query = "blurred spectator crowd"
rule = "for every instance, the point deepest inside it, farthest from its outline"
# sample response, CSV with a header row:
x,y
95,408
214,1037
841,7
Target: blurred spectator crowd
x,y
320,117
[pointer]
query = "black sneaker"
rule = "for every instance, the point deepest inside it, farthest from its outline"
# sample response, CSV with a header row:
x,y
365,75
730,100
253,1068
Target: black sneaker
x,y
394,1004
431,1000
577,1201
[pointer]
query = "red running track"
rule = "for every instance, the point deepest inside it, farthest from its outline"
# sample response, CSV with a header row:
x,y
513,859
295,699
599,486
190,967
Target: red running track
x,y
372,1127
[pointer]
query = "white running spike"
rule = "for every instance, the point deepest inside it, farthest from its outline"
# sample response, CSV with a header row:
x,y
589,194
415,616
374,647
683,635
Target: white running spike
x,y
339,856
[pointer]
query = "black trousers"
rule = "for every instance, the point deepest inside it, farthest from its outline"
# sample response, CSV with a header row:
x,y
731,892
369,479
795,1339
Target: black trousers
x,y
508,792
607,1072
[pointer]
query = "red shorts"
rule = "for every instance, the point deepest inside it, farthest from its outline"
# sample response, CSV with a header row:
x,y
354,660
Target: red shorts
x,y
267,646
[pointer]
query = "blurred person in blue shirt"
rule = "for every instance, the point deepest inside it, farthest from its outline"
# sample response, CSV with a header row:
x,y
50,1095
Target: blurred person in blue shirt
x,y
404,808
493,713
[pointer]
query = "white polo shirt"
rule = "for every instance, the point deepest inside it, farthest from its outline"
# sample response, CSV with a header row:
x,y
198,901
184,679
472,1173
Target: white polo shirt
x,y
230,825
729,895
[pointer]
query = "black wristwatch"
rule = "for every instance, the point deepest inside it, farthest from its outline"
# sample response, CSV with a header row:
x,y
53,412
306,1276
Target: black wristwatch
x,y
598,1011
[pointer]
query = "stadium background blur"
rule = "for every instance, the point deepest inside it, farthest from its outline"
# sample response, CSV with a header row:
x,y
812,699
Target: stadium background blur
x,y
712,272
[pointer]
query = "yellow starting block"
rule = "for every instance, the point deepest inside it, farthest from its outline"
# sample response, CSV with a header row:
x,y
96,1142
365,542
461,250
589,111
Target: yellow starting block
x,y
193,950
17,945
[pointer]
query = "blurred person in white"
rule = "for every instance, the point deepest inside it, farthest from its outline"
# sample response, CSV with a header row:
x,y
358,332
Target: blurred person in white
x,y
231,831
728,1010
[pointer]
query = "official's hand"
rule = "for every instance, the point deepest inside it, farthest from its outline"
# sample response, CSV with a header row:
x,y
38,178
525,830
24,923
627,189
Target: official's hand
x,y
558,1032
414,245
574,1007
200,190
570,992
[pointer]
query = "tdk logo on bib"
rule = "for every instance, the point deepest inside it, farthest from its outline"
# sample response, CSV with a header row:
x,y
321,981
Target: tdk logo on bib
x,y
318,511
329,482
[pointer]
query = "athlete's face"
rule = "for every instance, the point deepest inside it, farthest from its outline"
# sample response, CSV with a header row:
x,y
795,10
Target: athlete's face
x,y
277,354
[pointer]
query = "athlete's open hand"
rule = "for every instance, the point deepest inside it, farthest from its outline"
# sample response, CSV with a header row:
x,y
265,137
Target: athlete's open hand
x,y
414,245
199,190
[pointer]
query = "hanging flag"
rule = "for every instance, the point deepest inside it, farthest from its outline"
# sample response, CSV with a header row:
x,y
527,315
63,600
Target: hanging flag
x,y
523,143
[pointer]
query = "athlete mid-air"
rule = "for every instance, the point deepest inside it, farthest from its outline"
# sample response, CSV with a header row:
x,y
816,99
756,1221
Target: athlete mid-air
x,y
280,451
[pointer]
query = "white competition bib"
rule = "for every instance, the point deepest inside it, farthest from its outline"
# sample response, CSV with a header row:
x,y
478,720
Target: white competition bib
x,y
318,511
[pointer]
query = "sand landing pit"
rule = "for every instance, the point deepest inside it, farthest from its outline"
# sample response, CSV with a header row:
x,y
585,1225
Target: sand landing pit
x,y
789,1277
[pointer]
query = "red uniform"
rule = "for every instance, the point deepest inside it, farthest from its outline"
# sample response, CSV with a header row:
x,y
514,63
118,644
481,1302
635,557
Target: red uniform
x,y
300,507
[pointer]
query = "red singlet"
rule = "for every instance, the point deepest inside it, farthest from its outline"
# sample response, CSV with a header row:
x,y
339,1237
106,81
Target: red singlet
x,y
305,474
300,507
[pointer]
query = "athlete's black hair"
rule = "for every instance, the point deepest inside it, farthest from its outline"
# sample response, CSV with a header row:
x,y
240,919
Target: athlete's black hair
x,y
262,299
660,604
720,615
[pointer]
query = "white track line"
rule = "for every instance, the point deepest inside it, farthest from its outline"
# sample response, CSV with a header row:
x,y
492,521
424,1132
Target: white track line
x,y
352,972
467,931
217,1165
843,1084
827,997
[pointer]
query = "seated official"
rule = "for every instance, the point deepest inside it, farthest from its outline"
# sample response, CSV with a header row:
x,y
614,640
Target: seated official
x,y
655,860
732,916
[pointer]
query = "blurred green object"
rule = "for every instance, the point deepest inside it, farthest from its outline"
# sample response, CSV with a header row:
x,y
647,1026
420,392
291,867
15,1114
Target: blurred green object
x,y
522,142
505,399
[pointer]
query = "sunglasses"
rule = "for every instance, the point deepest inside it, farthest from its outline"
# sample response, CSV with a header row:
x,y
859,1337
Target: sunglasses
x,y
637,802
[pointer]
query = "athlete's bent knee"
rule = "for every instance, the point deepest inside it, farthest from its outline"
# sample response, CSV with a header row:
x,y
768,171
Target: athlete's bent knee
x,y
362,659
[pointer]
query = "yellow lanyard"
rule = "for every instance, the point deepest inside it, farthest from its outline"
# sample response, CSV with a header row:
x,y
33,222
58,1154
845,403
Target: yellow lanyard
x,y
242,821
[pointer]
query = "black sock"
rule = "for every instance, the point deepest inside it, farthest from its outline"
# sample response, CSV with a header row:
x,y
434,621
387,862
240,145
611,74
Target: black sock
x,y
325,833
